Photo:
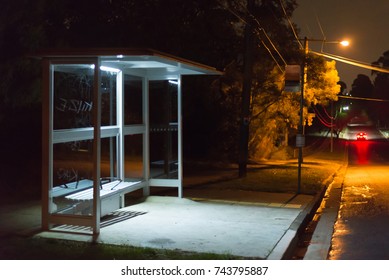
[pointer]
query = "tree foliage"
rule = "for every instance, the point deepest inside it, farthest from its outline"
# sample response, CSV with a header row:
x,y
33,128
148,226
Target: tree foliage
x,y
277,118
322,84
362,87
380,111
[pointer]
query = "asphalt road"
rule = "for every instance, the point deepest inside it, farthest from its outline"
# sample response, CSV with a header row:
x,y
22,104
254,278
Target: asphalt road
x,y
362,228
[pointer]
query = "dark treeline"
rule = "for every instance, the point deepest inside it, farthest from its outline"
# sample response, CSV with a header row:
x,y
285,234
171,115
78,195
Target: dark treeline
x,y
206,31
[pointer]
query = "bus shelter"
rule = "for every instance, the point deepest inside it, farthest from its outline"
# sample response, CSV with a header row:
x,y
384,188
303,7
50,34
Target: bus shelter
x,y
111,125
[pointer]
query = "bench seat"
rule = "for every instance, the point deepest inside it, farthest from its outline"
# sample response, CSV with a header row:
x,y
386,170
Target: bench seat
x,y
110,195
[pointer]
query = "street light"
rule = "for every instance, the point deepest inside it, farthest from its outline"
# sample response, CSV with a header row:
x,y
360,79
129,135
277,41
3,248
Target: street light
x,y
344,43
300,139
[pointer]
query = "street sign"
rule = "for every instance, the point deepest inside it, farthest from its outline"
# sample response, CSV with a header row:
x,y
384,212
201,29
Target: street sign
x,y
292,78
300,141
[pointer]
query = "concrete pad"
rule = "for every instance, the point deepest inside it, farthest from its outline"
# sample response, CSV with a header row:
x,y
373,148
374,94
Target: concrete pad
x,y
246,230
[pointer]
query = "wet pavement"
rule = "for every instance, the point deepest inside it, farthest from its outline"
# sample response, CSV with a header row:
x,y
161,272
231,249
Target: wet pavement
x,y
363,222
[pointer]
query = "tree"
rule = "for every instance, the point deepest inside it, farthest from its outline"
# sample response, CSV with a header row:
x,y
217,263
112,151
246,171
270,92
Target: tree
x,y
276,111
362,87
198,30
257,24
21,33
380,110
322,82
323,89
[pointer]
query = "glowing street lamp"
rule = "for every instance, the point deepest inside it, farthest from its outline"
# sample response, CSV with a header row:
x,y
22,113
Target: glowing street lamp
x,y
344,43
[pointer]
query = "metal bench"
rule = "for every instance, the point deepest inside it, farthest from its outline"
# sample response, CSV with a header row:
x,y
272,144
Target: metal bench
x,y
110,195
69,188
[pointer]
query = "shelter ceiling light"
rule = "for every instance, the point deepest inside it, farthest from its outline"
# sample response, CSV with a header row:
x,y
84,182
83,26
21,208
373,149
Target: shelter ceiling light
x,y
107,69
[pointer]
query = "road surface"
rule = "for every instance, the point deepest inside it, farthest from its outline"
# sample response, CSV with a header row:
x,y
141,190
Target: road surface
x,y
361,231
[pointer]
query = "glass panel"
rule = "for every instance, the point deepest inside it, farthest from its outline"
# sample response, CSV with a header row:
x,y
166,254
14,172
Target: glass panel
x,y
72,178
73,95
133,102
163,129
109,159
133,156
108,98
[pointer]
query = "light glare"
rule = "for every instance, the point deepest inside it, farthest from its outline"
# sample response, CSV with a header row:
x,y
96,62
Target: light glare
x,y
109,69
345,43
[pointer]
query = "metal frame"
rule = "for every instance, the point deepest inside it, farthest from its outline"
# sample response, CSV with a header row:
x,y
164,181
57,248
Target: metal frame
x,y
51,137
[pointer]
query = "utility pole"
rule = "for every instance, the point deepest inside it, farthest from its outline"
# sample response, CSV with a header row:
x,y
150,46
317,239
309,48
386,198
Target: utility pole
x,y
300,140
246,93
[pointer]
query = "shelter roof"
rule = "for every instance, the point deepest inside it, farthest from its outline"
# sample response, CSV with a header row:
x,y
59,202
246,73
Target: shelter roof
x,y
146,60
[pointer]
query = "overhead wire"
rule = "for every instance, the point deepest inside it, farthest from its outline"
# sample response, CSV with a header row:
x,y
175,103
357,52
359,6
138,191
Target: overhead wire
x,y
271,54
363,98
320,116
271,42
352,62
291,24
258,30
264,32
321,30
321,119
328,115
320,26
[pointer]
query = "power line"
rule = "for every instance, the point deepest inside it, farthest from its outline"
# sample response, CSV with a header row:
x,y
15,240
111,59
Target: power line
x,y
260,28
328,115
321,119
362,98
352,62
258,31
259,36
291,24
271,54
320,26
268,38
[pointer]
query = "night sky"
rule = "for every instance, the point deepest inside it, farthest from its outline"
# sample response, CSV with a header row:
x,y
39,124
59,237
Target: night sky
x,y
365,23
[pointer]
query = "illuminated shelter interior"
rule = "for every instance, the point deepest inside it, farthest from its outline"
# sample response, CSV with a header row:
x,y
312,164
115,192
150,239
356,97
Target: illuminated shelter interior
x,y
111,125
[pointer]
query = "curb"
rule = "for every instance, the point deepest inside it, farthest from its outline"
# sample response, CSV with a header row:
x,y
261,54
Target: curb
x,y
321,240
287,244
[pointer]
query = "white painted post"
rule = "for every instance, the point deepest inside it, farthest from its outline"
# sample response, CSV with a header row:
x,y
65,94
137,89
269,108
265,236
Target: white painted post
x,y
96,147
